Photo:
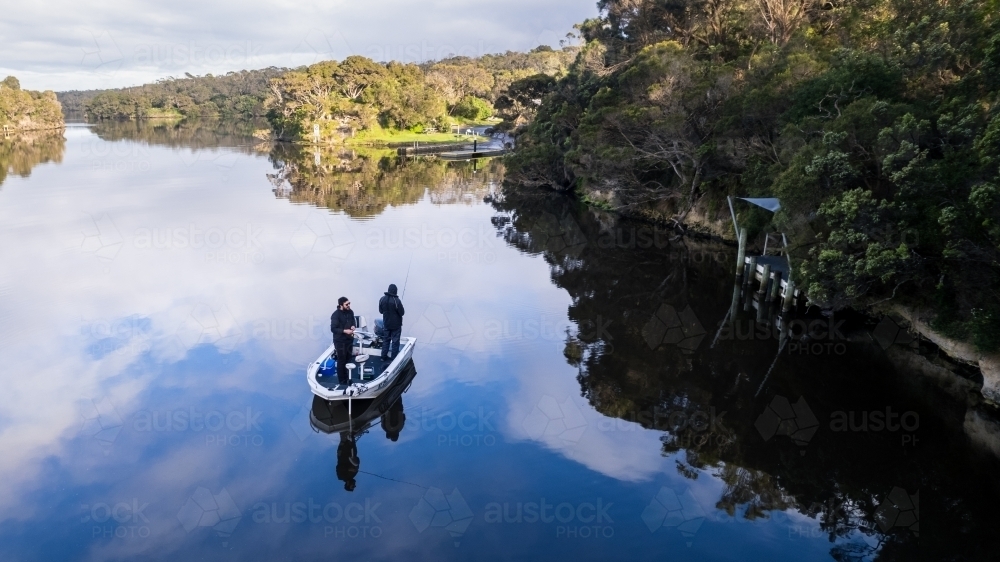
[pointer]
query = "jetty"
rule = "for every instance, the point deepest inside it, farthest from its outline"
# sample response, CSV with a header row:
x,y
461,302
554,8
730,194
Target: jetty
x,y
469,153
429,148
769,272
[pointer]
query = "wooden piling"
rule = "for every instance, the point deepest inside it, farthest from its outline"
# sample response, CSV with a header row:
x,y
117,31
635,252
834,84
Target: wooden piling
x,y
762,306
775,285
741,254
764,278
789,297
751,271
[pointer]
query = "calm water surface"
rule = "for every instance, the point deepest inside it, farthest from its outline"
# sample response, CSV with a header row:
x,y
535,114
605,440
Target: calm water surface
x,y
581,389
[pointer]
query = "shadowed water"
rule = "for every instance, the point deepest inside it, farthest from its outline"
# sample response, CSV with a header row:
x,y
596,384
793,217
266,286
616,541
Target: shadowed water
x,y
581,387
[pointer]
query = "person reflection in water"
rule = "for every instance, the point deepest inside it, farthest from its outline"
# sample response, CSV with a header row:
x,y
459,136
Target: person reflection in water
x,y
342,325
394,420
348,462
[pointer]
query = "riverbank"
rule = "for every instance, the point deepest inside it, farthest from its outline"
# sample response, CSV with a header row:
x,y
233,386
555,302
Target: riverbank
x,y
705,220
27,110
987,363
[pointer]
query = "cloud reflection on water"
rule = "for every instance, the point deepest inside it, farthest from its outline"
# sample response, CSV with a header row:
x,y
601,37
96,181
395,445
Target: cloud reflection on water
x,y
180,321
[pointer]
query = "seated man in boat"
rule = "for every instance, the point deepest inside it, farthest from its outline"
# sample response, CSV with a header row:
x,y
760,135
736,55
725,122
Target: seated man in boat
x,y
342,325
392,312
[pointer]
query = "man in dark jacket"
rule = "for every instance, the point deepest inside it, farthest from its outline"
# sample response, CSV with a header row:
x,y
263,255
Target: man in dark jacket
x,y
342,325
391,309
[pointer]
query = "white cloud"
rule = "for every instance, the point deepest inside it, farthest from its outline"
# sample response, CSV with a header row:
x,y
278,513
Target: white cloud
x,y
62,45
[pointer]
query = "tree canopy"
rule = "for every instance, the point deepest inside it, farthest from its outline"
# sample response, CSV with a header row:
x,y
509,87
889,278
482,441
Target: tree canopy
x,y
232,95
27,110
875,122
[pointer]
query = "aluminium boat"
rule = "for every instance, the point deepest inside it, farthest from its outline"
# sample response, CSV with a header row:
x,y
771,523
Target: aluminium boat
x,y
369,375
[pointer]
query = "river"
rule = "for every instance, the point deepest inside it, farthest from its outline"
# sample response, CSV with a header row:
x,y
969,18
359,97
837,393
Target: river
x,y
582,390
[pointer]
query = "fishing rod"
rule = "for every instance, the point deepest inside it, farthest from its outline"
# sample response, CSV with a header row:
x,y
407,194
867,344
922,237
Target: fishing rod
x,y
407,280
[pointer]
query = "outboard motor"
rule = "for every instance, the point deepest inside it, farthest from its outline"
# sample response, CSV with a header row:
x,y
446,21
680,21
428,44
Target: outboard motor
x,y
379,333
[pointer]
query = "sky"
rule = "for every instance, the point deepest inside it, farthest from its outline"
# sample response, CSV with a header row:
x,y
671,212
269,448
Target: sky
x,y
69,45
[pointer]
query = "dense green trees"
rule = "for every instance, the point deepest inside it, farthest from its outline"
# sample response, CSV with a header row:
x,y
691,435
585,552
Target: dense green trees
x,y
232,95
27,110
357,93
361,94
875,122
340,97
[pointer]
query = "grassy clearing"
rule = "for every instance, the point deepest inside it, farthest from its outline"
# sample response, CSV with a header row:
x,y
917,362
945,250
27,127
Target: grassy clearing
x,y
385,136
157,113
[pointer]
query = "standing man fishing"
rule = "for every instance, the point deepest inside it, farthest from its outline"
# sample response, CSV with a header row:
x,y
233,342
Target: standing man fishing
x,y
342,325
392,312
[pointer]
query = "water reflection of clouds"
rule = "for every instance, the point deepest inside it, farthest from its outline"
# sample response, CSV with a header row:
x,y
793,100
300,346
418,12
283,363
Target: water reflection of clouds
x,y
171,285
161,330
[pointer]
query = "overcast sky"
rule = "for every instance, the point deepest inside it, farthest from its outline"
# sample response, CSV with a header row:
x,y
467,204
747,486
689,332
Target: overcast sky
x,y
74,45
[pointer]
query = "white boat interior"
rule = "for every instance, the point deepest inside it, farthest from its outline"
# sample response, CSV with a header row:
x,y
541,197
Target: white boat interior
x,y
369,373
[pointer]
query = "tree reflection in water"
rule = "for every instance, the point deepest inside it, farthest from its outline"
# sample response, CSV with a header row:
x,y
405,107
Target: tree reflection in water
x,y
193,134
363,182
648,306
22,152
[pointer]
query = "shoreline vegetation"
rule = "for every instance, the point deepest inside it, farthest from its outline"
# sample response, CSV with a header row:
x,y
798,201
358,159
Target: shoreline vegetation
x,y
876,124
356,100
31,125
27,110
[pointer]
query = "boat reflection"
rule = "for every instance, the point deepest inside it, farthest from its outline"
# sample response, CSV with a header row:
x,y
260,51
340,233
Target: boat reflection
x,y
354,420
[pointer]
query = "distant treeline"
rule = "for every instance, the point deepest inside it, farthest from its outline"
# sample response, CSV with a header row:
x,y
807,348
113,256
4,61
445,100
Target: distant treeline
x,y
361,94
341,97
232,95
27,110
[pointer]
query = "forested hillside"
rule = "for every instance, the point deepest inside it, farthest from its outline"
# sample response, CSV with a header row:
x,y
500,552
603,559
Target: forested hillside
x,y
232,95
27,110
361,94
875,122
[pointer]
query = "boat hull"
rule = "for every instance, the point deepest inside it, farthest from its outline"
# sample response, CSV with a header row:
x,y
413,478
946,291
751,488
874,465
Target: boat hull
x,y
359,389
336,416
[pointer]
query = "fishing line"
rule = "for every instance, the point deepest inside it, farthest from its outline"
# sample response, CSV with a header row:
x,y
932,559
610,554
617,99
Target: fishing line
x,y
392,479
407,280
